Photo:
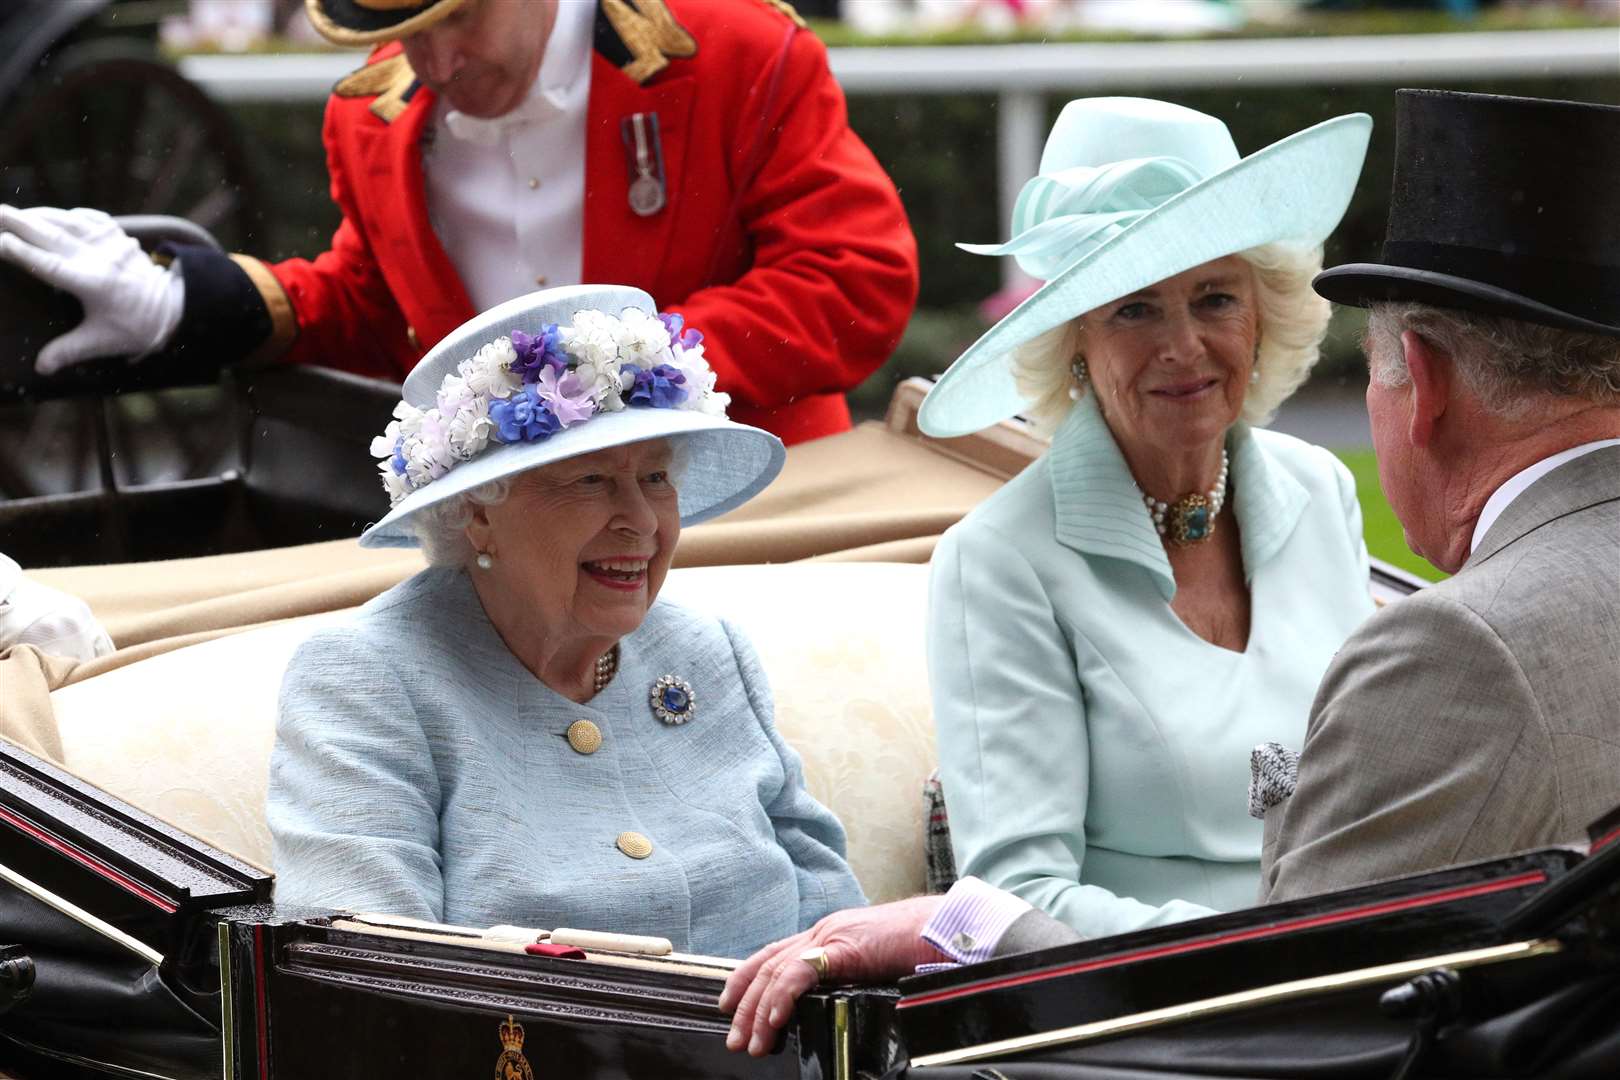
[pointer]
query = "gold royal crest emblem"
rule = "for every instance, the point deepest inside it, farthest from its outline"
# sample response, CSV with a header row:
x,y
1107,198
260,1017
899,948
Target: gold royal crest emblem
x,y
512,1065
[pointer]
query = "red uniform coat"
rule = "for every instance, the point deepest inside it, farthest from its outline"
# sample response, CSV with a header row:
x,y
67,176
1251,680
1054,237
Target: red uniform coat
x,y
782,239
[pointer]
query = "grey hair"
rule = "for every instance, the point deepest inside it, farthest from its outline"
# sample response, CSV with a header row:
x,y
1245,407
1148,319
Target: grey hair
x,y
1507,363
442,528
1293,320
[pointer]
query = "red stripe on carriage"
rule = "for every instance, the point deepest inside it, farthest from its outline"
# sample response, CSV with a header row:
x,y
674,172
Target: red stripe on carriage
x,y
1534,877
84,858
1606,838
259,1002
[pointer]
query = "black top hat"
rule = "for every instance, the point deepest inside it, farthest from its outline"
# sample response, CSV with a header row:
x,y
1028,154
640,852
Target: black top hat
x,y
1502,205
369,22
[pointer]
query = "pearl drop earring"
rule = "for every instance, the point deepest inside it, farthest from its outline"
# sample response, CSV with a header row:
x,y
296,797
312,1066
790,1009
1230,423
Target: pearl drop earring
x,y
485,560
1082,375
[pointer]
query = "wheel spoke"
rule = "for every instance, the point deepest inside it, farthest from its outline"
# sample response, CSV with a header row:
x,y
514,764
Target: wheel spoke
x,y
161,195
214,208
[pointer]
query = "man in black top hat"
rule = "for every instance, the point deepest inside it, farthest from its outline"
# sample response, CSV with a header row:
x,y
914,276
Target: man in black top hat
x,y
1480,716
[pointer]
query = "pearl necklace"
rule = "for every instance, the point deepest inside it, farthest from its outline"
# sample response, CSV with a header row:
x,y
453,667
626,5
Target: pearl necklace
x,y
607,666
1191,518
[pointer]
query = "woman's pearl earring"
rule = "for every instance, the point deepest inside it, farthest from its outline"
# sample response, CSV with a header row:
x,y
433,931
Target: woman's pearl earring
x,y
485,560
1254,370
1082,375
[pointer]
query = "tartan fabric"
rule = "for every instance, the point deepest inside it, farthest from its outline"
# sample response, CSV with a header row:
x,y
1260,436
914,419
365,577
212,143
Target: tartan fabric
x,y
940,860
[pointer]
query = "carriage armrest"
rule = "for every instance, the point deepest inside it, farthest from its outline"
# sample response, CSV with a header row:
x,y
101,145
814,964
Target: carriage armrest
x,y
1004,450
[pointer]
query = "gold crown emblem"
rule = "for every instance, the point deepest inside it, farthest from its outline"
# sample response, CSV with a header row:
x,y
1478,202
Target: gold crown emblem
x,y
512,1035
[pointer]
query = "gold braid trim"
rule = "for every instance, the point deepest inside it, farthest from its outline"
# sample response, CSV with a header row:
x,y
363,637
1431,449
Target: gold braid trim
x,y
387,81
787,9
283,322
342,35
651,34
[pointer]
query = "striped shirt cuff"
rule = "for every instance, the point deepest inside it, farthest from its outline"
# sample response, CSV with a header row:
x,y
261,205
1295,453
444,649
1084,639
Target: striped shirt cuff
x,y
968,926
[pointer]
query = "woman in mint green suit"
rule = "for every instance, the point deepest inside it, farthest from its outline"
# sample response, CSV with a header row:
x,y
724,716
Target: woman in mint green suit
x,y
1114,632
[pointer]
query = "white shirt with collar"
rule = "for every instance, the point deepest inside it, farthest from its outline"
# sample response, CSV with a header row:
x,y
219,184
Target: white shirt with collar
x,y
506,195
48,619
1520,481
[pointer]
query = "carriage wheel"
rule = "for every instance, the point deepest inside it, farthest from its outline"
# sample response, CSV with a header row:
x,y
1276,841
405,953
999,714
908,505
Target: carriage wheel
x,y
103,125
127,135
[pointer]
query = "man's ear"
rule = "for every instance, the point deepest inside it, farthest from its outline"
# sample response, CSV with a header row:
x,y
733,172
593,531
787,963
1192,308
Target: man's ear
x,y
1431,373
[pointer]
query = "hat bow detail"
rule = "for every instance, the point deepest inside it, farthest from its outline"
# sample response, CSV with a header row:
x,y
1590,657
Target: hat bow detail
x,y
1061,218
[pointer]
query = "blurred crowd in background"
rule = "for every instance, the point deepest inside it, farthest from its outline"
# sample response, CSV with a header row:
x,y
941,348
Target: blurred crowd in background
x,y
244,24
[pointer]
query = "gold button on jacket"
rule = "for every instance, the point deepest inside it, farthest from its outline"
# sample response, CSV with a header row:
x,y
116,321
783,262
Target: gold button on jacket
x,y
634,845
584,736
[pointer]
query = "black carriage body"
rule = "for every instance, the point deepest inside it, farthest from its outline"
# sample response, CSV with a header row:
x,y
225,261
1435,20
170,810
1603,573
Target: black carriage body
x,y
1095,982
157,955
328,998
114,910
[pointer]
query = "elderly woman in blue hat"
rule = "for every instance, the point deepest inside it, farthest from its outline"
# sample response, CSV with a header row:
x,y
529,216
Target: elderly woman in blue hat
x,y
1114,632
523,733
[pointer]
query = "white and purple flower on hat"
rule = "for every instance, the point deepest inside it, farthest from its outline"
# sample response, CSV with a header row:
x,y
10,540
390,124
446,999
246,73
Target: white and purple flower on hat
x,y
644,340
568,401
489,371
527,387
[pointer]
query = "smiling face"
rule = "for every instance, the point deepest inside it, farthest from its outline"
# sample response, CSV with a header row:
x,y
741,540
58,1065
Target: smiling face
x,y
483,57
582,546
1170,364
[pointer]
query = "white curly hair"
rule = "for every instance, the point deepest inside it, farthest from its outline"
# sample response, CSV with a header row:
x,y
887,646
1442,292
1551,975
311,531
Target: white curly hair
x,y
1293,320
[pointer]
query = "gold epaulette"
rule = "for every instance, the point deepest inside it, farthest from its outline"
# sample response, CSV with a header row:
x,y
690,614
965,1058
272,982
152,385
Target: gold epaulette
x,y
787,9
387,81
650,33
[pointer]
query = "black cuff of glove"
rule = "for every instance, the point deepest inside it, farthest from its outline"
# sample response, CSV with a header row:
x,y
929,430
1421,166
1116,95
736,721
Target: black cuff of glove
x,y
225,317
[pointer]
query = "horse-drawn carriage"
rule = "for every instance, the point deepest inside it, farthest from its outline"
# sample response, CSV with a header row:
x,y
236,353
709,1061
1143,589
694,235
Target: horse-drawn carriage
x,y
145,952
138,930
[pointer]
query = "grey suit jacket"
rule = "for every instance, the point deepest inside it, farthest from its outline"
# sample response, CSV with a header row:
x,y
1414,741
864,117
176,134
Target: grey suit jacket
x,y
1473,719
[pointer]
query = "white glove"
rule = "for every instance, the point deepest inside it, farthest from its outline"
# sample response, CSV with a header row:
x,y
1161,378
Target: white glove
x,y
132,306
51,621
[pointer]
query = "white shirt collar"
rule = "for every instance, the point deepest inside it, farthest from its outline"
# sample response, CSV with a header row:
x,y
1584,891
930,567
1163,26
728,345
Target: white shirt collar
x,y
565,64
1516,485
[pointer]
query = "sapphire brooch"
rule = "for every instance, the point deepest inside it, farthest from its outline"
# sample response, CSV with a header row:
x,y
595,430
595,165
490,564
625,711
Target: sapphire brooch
x,y
673,701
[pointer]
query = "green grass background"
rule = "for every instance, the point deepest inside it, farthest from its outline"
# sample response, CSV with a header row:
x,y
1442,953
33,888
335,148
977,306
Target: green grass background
x,y
1378,521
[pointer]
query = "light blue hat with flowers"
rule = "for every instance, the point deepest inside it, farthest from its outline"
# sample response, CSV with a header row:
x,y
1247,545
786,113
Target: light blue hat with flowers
x,y
557,374
1132,191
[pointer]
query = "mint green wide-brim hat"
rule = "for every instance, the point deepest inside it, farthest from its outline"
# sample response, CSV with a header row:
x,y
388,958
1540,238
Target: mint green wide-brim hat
x,y
724,463
1132,191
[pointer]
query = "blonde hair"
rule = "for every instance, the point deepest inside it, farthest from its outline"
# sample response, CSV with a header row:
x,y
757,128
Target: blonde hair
x,y
1293,320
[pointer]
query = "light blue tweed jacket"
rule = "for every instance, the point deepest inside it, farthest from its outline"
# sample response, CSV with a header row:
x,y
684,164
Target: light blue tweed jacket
x,y
1094,751
420,769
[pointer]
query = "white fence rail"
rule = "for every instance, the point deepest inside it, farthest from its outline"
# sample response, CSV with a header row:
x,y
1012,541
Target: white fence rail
x,y
1023,75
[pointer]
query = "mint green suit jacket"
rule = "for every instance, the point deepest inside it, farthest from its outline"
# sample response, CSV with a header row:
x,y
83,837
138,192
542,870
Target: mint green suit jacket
x,y
1094,751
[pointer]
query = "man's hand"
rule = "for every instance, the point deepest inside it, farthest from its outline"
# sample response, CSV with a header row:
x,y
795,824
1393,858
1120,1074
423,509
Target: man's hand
x,y
870,944
131,305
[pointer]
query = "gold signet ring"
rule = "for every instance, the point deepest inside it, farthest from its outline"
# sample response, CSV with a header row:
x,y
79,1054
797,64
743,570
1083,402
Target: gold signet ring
x,y
817,959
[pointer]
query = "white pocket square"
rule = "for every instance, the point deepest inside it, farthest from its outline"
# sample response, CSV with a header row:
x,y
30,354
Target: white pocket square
x,y
1273,773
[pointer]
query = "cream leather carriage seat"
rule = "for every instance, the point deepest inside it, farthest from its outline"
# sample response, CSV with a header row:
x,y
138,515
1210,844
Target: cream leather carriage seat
x,y
186,735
